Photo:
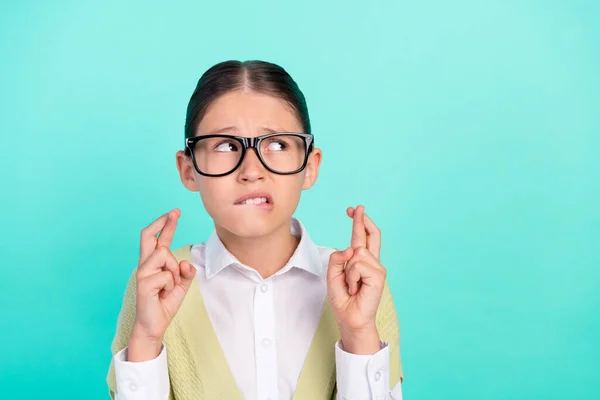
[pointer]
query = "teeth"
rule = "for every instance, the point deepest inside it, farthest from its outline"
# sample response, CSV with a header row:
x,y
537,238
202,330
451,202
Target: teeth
x,y
257,200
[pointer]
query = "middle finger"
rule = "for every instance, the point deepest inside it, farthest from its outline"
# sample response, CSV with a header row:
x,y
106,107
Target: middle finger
x,y
359,234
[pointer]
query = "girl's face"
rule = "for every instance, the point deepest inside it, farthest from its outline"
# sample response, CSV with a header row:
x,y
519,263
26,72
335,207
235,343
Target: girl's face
x,y
249,114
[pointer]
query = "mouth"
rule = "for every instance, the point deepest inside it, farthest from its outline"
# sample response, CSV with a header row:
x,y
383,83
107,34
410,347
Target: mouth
x,y
259,199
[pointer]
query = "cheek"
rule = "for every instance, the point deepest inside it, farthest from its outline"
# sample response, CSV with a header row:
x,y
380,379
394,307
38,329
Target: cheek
x,y
212,191
289,191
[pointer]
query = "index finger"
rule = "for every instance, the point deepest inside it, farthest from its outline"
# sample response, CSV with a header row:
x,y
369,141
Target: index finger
x,y
373,233
359,233
148,236
167,233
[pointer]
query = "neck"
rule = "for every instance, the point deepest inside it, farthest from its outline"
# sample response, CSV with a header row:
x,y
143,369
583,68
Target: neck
x,y
266,254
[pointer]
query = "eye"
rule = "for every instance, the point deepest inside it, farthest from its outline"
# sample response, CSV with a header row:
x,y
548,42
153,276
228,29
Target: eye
x,y
277,145
228,146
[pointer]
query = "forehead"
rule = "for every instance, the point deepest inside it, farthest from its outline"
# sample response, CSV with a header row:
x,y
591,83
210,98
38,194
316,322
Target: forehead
x,y
249,114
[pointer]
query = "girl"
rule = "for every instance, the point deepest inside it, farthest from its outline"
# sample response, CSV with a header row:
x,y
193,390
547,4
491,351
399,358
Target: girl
x,y
258,311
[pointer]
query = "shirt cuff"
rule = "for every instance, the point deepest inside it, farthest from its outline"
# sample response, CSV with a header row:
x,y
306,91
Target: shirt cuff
x,y
362,376
147,380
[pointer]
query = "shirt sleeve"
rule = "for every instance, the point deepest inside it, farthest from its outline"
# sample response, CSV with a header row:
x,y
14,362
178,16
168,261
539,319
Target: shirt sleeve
x,y
365,377
147,380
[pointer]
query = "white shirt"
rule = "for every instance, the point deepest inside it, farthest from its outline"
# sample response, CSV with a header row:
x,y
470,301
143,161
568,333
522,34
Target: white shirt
x,y
265,328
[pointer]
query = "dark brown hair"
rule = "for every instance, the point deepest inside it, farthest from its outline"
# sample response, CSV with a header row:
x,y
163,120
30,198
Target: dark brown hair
x,y
256,75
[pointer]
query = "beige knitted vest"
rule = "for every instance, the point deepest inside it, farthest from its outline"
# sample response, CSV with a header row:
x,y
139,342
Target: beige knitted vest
x,y
197,365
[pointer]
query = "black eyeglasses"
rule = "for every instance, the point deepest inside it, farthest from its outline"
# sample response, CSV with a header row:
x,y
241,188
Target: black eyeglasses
x,y
283,153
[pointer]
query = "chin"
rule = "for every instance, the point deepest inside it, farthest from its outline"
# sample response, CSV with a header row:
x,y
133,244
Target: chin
x,y
249,224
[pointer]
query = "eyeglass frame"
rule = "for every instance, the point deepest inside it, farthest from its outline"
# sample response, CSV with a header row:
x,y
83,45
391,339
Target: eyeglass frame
x,y
250,143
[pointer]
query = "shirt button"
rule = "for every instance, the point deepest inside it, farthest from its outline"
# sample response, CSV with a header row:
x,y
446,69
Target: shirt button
x,y
132,387
264,287
266,342
377,376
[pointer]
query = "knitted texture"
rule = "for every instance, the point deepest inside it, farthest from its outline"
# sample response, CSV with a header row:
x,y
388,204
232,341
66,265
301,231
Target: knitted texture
x,y
198,368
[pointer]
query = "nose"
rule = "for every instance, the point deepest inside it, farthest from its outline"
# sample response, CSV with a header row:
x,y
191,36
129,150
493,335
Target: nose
x,y
251,169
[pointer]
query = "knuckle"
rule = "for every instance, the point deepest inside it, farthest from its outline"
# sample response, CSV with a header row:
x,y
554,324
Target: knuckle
x,y
143,267
171,261
142,286
145,233
355,272
163,251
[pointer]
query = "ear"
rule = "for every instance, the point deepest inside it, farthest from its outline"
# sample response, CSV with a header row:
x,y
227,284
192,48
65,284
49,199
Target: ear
x,y
312,168
187,173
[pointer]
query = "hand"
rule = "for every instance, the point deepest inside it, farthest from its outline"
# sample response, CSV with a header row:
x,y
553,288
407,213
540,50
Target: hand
x,y
162,283
355,282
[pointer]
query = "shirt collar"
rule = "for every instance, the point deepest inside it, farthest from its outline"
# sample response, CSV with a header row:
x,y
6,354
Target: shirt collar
x,y
305,257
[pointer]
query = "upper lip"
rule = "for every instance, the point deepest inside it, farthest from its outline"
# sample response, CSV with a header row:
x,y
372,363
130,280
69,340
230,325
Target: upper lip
x,y
255,195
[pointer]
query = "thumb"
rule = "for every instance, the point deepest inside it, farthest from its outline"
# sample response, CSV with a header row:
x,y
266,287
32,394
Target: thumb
x,y
188,272
175,298
337,262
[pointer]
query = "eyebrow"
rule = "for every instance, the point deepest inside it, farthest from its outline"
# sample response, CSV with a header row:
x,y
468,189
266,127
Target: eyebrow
x,y
233,129
220,130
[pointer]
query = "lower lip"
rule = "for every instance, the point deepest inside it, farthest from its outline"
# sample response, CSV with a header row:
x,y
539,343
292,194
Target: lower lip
x,y
264,206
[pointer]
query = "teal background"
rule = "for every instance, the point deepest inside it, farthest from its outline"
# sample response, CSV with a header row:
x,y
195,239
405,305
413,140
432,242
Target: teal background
x,y
469,129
